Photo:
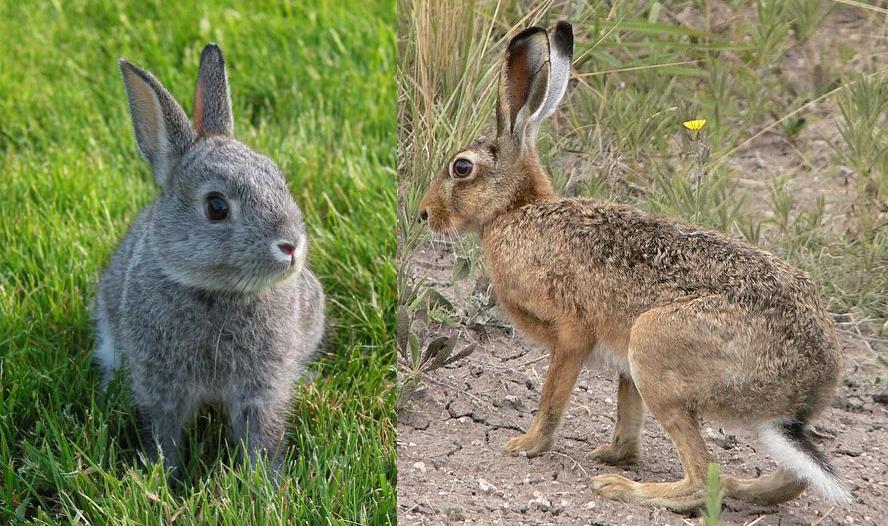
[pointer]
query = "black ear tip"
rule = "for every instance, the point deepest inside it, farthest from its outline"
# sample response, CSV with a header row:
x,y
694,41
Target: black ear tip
x,y
563,37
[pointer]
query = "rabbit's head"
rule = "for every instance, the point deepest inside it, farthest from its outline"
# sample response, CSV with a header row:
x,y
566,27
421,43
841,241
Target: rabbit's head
x,y
490,177
224,219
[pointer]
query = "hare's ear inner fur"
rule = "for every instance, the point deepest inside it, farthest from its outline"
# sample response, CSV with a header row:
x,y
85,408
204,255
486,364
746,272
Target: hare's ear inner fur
x,y
212,100
526,54
533,79
162,129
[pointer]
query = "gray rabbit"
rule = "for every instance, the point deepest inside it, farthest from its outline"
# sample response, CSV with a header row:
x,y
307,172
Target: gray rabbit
x,y
208,300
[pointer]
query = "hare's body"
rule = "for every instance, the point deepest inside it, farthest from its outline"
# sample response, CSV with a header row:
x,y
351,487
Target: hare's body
x,y
207,299
595,268
586,275
696,324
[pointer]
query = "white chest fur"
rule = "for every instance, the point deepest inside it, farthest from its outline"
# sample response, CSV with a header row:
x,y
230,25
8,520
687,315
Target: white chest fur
x,y
607,356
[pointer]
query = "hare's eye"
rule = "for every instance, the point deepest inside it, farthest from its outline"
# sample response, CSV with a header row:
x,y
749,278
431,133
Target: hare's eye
x,y
216,207
462,167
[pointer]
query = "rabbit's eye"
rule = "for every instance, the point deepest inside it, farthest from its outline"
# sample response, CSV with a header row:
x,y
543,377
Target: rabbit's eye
x,y
216,207
462,167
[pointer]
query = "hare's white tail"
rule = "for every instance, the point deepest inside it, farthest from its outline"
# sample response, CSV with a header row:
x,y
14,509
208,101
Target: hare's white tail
x,y
790,445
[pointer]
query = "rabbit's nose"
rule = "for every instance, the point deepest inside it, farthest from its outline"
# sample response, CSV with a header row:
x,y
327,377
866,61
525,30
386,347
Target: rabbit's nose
x,y
423,215
287,248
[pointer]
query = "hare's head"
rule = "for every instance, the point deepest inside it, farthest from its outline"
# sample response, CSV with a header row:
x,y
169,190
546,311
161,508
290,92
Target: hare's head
x,y
224,219
490,177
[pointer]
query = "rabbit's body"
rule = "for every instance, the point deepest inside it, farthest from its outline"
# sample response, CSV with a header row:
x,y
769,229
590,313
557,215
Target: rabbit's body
x,y
207,299
202,346
696,324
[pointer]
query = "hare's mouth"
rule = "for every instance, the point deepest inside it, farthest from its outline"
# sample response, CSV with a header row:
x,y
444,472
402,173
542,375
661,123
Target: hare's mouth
x,y
443,226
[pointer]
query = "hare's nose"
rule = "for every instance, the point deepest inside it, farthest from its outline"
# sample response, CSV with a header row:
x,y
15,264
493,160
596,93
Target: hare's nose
x,y
423,215
287,248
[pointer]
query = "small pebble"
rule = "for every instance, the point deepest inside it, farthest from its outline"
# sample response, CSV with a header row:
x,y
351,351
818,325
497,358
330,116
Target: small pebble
x,y
540,502
485,486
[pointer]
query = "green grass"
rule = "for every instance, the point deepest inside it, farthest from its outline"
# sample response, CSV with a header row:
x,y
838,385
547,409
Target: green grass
x,y
714,495
794,155
313,86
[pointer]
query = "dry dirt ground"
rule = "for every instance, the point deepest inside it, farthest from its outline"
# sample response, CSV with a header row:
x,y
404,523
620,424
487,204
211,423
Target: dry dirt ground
x,y
451,433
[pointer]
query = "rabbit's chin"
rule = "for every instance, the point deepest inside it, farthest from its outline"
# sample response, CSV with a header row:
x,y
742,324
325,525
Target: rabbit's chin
x,y
234,283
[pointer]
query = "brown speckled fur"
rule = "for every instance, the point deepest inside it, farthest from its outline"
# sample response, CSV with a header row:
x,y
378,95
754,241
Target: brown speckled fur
x,y
697,324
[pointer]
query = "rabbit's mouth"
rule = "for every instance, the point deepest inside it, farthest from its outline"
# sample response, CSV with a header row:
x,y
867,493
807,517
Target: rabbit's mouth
x,y
278,271
289,256
244,273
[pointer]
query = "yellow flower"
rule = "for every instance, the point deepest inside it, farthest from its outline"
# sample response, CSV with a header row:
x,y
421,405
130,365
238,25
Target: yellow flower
x,y
695,125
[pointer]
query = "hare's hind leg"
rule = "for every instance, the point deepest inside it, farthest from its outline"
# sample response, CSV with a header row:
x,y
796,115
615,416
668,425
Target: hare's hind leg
x,y
565,361
687,494
802,465
624,448
666,356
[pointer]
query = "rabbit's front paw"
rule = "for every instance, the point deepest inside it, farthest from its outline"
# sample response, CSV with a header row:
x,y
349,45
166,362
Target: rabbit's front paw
x,y
616,455
531,444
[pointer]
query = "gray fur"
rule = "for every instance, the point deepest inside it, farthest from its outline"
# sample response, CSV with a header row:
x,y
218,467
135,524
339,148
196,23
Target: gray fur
x,y
212,101
203,311
162,130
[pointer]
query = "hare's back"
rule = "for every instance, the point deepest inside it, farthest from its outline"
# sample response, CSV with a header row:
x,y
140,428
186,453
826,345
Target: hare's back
x,y
660,257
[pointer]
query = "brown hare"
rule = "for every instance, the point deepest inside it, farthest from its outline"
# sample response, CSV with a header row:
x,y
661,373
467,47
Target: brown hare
x,y
695,323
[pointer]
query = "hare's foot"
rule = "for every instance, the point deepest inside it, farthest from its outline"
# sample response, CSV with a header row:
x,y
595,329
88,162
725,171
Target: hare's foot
x,y
532,444
617,454
627,433
774,488
685,495
614,487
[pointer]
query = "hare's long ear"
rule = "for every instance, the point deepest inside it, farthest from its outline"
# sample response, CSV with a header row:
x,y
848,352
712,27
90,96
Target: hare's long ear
x,y
561,47
162,129
533,80
212,101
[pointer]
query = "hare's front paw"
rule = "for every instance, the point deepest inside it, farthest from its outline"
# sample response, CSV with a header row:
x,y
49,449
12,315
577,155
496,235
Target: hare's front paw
x,y
531,444
616,455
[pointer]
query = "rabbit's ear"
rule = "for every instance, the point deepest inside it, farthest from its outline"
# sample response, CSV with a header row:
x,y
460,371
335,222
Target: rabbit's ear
x,y
162,129
212,101
533,80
